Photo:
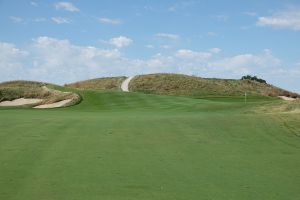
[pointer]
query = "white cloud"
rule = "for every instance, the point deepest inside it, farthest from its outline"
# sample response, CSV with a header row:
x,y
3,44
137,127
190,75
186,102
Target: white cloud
x,y
105,20
172,8
149,46
66,6
215,50
16,19
189,54
165,46
11,62
167,36
60,20
212,34
33,3
222,18
120,41
247,63
181,5
251,14
40,19
289,18
60,61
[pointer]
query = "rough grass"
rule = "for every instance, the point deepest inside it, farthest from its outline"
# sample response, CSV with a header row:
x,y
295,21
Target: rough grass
x,y
29,89
133,146
109,83
176,84
279,107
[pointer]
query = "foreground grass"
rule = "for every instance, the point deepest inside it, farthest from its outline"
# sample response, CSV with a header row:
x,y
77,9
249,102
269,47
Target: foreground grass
x,y
135,146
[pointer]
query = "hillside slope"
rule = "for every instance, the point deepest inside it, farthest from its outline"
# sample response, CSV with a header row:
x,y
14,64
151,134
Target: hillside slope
x,y
108,83
177,84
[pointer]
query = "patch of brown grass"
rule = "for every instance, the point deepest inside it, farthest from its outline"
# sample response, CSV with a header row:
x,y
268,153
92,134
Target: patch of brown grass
x,y
109,83
280,107
177,84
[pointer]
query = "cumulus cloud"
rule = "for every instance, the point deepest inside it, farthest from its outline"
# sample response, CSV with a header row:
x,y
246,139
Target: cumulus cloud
x,y
16,19
66,6
249,13
33,3
172,8
105,20
60,61
215,50
40,19
60,20
120,41
212,34
265,59
167,36
222,18
289,18
11,61
181,5
165,46
189,54
149,46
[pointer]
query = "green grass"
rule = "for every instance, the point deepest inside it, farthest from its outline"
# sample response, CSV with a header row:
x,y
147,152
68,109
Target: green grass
x,y
119,146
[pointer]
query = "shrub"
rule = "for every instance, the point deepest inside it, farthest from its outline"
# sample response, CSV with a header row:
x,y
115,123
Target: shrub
x,y
253,78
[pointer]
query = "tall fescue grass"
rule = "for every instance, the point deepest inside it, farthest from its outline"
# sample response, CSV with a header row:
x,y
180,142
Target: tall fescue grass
x,y
279,107
109,83
176,84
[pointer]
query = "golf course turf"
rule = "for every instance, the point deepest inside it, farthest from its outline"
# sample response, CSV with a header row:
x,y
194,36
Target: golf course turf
x,y
127,146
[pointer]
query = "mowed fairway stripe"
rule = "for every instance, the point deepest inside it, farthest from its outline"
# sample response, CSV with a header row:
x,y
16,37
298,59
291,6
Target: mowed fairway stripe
x,y
134,146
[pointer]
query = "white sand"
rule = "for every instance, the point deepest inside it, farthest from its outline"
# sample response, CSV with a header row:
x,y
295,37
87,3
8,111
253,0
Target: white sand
x,y
55,105
287,98
20,102
125,84
24,101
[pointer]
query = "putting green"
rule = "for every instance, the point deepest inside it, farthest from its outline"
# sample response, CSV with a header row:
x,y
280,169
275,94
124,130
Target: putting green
x,y
119,146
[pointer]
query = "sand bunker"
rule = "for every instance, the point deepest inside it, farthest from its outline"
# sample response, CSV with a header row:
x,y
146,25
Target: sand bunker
x,y
20,102
55,105
287,98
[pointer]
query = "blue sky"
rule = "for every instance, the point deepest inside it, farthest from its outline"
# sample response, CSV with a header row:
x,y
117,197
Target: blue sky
x,y
65,41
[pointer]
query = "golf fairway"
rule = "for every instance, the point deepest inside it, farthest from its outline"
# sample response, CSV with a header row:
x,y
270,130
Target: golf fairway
x,y
127,146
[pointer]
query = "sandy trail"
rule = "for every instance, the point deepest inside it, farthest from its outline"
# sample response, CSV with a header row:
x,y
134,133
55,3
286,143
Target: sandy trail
x,y
55,105
287,98
125,84
20,102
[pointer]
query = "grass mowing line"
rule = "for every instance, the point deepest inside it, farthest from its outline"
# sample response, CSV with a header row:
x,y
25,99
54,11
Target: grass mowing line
x,y
111,147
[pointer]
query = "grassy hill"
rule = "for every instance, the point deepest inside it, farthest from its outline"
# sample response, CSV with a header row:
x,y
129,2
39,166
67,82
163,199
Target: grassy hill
x,y
50,93
177,84
184,85
108,83
121,146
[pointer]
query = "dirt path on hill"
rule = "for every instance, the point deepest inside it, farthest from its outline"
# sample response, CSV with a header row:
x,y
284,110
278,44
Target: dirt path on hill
x,y
125,83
